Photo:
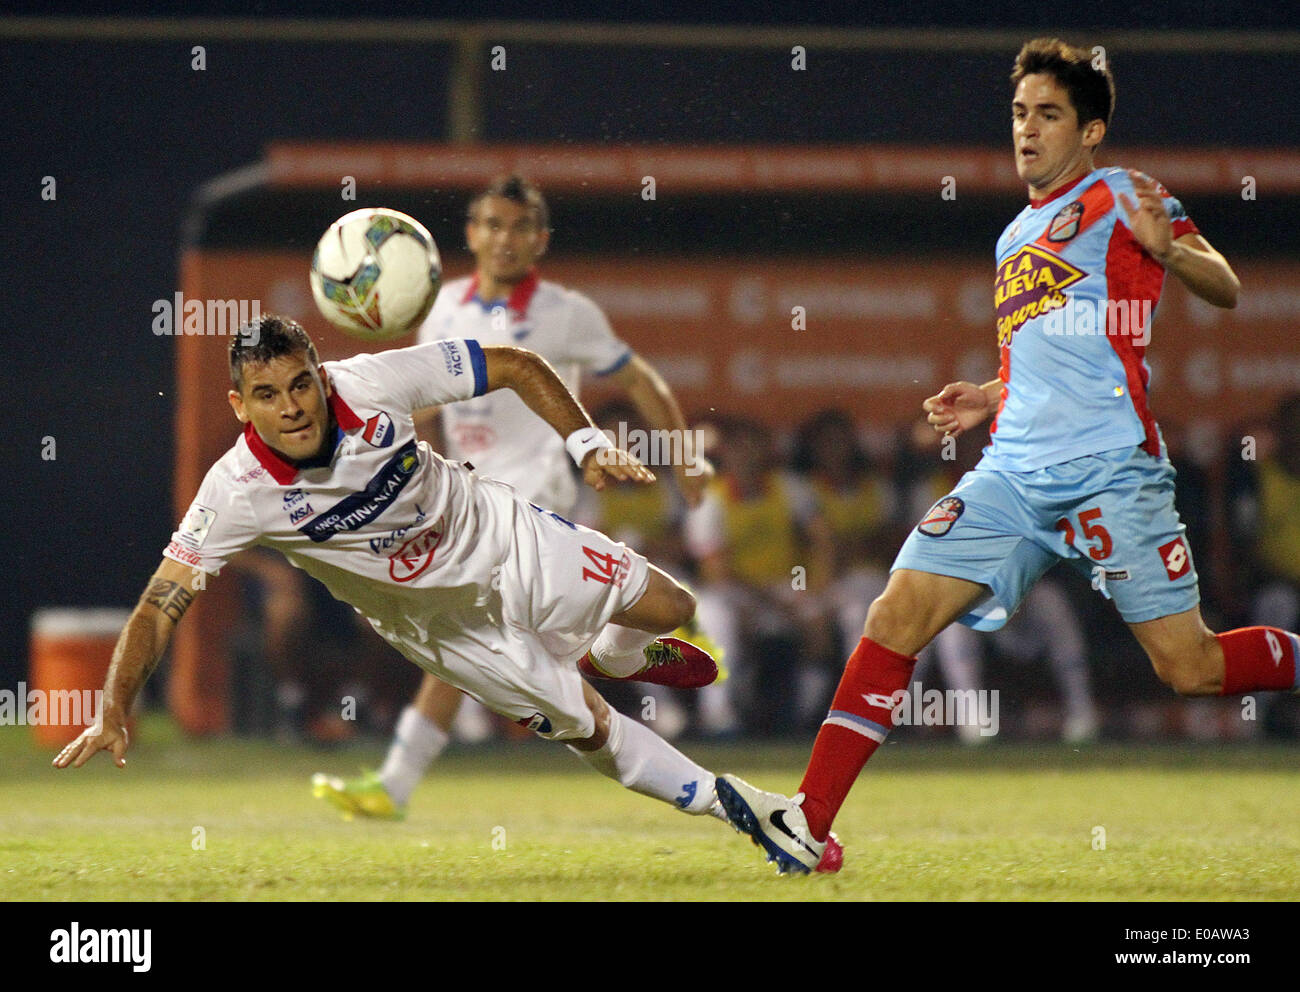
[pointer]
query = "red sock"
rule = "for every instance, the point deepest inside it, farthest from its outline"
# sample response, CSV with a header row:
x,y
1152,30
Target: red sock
x,y
860,717
1258,658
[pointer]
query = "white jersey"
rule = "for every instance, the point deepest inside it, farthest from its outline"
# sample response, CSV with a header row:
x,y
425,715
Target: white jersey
x,y
386,524
498,434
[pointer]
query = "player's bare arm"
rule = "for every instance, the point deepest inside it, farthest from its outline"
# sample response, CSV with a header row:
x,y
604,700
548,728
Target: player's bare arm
x,y
960,406
140,647
658,407
536,383
1191,258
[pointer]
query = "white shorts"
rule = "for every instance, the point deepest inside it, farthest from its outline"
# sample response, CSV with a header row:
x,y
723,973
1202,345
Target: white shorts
x,y
518,653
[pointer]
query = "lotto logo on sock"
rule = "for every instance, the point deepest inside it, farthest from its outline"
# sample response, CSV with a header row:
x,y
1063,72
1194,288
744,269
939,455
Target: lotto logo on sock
x,y
1176,559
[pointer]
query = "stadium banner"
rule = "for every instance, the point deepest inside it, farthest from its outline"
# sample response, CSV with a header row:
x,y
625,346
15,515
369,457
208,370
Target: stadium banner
x,y
751,168
771,339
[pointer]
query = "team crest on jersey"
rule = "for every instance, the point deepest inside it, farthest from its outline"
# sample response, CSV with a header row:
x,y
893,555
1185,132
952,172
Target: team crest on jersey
x,y
1029,284
942,516
1065,224
379,431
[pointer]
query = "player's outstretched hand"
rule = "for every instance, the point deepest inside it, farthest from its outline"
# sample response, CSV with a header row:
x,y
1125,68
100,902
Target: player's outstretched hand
x,y
957,407
1147,219
110,736
613,463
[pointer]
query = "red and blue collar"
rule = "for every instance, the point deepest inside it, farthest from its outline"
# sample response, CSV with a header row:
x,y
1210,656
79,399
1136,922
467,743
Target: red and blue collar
x,y
520,297
284,471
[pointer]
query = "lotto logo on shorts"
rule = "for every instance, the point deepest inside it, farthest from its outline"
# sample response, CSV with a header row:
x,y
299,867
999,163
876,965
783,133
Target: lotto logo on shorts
x,y
942,516
1176,559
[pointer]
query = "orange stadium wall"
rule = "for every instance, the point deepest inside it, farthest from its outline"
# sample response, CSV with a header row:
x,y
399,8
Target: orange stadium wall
x,y
877,338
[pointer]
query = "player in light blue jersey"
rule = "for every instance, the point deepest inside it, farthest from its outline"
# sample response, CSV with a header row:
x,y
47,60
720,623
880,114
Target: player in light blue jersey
x,y
1076,468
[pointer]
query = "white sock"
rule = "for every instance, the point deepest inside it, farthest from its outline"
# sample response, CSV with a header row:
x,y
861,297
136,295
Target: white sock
x,y
619,651
417,740
644,762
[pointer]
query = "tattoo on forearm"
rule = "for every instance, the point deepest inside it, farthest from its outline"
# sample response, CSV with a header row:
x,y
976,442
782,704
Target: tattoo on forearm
x,y
170,597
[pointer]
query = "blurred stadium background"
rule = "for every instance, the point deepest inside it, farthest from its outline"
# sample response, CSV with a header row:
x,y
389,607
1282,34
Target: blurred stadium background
x,y
775,187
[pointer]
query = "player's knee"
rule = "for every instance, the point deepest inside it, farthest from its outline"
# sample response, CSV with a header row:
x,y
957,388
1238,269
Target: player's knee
x,y
602,716
681,606
890,620
673,606
1184,671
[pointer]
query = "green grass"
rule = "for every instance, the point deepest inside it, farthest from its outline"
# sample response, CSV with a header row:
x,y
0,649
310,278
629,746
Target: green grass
x,y
530,822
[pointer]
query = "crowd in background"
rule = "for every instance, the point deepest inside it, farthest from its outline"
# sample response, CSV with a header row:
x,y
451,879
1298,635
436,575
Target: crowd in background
x,y
785,555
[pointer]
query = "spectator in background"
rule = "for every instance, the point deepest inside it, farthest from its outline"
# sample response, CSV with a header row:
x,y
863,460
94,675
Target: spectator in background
x,y
1192,500
857,505
763,556
1264,498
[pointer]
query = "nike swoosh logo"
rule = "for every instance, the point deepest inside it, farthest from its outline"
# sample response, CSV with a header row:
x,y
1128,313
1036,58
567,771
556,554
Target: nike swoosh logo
x,y
778,821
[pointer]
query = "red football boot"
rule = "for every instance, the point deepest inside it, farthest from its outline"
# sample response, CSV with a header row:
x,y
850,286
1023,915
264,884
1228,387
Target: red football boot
x,y
672,662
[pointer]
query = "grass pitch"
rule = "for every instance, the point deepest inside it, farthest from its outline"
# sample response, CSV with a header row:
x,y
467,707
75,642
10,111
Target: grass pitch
x,y
232,820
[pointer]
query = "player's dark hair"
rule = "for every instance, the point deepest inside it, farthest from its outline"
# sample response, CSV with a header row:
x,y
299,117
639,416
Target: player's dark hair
x,y
269,336
516,189
1085,76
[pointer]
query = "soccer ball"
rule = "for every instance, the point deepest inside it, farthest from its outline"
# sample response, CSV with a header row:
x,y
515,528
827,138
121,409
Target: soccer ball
x,y
376,273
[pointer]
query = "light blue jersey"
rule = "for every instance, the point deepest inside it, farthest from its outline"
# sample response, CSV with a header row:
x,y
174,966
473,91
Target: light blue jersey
x,y
1074,294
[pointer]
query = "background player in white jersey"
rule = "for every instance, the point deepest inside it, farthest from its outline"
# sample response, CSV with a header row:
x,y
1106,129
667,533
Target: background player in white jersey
x,y
505,302
466,579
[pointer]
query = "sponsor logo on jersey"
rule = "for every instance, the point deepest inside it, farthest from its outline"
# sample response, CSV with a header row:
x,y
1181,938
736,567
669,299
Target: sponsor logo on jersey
x,y
296,505
942,516
1065,224
453,357
1176,559
394,537
250,475
416,554
194,528
184,554
379,431
355,511
1030,283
